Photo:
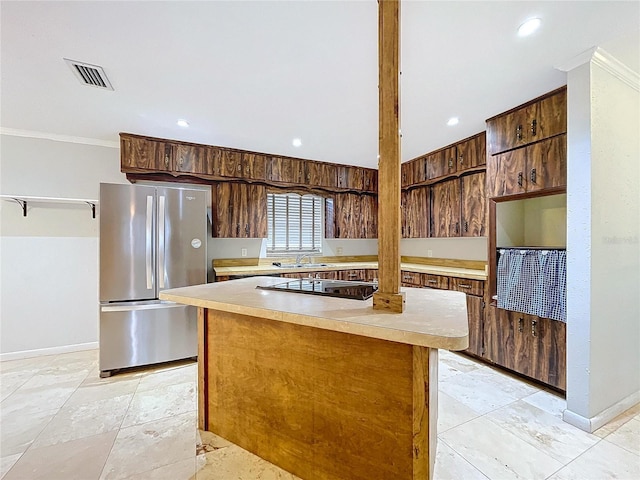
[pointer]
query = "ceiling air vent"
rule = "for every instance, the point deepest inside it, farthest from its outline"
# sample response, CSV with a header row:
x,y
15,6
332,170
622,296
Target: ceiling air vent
x,y
91,75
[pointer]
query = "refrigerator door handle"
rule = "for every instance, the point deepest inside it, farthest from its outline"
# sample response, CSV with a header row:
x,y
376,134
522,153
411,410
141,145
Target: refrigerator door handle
x,y
148,242
161,241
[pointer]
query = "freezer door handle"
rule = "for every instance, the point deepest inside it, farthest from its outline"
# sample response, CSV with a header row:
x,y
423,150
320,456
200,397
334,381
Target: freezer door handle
x,y
161,242
148,243
133,308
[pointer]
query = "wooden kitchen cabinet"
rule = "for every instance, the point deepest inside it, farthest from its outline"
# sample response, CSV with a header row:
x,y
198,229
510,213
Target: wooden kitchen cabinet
x,y
286,170
321,174
472,152
471,287
370,180
411,279
354,275
254,166
441,163
527,344
435,281
192,159
542,118
406,174
475,314
415,213
239,209
146,154
473,205
350,215
445,209
351,178
536,167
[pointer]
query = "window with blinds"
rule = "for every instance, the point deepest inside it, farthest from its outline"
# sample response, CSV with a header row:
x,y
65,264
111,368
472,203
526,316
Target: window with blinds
x,y
295,223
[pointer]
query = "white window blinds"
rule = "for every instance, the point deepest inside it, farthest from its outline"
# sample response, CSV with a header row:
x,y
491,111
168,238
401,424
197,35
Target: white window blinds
x,y
295,223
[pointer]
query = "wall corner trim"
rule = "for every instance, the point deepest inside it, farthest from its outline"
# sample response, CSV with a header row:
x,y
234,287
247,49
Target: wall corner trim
x,y
590,425
607,62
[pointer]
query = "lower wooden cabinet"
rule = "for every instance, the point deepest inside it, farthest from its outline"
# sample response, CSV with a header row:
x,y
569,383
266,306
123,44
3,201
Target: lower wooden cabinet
x,y
527,344
475,313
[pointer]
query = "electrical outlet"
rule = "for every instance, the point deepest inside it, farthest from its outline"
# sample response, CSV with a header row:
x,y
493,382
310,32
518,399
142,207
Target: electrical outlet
x,y
339,250
429,253
244,252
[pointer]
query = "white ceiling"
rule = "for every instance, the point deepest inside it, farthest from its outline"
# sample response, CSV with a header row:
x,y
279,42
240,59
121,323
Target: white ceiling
x,y
254,75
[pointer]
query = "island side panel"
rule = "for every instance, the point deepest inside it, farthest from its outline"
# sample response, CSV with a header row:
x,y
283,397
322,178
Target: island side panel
x,y
202,367
320,404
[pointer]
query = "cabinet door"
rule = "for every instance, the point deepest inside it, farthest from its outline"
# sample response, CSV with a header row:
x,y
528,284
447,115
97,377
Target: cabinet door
x,y
435,281
370,180
549,117
321,174
445,209
420,169
472,153
406,174
229,163
279,170
348,216
240,210
254,166
547,164
507,340
369,215
146,154
222,210
472,287
350,177
256,206
371,274
550,341
508,131
352,275
411,279
475,313
416,213
441,163
191,159
506,173
473,205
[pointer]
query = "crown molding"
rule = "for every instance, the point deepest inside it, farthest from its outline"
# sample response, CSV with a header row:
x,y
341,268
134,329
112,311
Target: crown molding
x,y
606,61
14,132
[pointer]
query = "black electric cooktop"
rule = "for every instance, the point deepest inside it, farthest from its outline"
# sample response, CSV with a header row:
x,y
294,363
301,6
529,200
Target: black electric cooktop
x,y
328,288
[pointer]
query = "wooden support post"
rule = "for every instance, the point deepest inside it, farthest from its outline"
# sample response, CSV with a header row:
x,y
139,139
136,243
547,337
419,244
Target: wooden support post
x,y
388,297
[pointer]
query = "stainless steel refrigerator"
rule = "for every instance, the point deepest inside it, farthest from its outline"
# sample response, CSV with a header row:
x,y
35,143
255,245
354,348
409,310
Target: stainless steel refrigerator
x,y
151,239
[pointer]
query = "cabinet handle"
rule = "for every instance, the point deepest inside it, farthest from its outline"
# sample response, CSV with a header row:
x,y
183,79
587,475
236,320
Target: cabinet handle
x,y
519,132
431,281
166,160
466,226
533,175
534,331
534,125
520,179
520,324
246,228
457,227
181,162
464,285
450,162
461,159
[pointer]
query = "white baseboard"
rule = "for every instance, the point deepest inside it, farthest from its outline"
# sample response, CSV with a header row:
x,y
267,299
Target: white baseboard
x,y
590,425
48,351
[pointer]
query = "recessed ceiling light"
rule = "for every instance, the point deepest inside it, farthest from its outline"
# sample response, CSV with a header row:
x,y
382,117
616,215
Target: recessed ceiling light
x,y
453,121
528,27
296,142
182,123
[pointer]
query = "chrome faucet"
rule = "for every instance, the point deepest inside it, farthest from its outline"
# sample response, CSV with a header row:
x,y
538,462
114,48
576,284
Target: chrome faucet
x,y
301,256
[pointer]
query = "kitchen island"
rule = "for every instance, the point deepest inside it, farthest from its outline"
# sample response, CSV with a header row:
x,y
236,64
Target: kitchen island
x,y
325,388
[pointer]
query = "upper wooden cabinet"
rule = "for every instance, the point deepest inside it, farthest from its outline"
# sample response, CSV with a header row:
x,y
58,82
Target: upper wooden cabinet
x,y
541,118
473,205
350,177
370,180
351,215
415,213
445,209
472,152
321,173
239,210
441,163
145,154
192,159
536,167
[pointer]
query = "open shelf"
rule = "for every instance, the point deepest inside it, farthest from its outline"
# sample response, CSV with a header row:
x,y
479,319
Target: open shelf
x,y
24,200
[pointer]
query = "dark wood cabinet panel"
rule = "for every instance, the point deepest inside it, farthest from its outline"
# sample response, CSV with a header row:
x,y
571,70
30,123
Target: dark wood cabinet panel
x,y
435,281
550,337
240,210
146,154
369,216
445,209
192,159
472,152
321,174
420,169
370,180
473,213
229,163
532,168
371,275
472,287
406,174
547,164
540,119
412,279
254,166
441,163
475,313
350,177
352,275
279,170
415,213
350,215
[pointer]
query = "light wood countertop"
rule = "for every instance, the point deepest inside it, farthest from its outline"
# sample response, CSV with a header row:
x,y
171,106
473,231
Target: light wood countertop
x,y
472,274
432,318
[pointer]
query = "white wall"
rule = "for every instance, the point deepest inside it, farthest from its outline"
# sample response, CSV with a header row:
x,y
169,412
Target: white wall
x,y
456,248
49,259
603,231
536,222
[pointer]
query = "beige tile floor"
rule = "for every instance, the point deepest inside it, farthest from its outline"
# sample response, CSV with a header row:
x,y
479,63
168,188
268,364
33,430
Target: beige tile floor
x,y
60,421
